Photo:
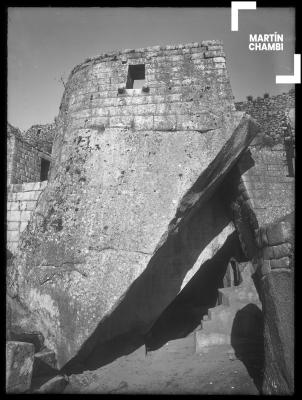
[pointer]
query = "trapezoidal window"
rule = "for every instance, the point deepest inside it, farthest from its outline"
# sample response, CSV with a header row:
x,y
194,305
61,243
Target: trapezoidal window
x,y
45,164
136,76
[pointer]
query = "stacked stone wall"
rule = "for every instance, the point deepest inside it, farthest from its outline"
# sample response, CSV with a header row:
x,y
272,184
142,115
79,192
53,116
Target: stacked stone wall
x,y
177,79
21,201
187,88
269,187
271,114
24,161
41,136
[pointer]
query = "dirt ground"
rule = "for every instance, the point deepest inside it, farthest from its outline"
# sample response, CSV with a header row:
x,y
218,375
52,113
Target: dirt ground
x,y
173,369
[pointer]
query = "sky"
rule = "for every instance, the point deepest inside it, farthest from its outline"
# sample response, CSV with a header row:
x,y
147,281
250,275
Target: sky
x,y
44,44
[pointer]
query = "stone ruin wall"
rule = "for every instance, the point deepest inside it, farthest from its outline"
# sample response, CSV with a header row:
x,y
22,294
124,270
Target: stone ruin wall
x,y
25,151
24,184
25,162
41,136
21,201
186,91
138,140
263,181
270,113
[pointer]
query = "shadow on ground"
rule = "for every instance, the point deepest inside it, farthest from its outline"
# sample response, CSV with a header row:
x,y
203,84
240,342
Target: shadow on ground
x,y
248,341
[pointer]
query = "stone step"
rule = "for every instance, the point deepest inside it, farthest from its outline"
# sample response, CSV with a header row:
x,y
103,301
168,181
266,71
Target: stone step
x,y
216,311
239,294
219,325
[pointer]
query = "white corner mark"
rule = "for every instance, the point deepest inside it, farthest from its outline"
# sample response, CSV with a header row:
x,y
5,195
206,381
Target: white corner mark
x,y
240,5
296,78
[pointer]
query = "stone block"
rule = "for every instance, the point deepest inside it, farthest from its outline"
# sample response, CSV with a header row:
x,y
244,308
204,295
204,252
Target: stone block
x,y
12,236
278,251
279,233
12,226
143,122
281,263
13,216
22,205
162,123
26,187
219,60
30,205
24,196
19,364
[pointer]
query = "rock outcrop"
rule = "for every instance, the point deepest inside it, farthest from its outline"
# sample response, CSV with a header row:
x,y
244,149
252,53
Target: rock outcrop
x,y
121,221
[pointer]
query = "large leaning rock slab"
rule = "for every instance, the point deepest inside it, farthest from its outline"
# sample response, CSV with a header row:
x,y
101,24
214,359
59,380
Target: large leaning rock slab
x,y
19,364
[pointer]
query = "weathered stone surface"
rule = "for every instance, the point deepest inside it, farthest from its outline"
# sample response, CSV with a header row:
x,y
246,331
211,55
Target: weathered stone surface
x,y
104,252
19,363
283,262
279,233
278,307
277,296
278,251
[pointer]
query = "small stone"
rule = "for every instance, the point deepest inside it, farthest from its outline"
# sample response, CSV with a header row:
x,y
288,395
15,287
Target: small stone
x,y
231,355
283,262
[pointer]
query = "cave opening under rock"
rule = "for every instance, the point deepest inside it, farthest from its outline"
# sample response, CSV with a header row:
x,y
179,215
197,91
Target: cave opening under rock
x,y
185,312
177,309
